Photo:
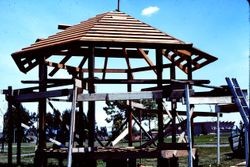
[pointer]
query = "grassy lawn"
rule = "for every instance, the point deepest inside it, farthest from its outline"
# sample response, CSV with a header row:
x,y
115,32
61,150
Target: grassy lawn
x,y
207,156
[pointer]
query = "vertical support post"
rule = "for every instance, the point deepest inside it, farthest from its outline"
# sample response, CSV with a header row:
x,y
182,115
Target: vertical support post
x,y
218,135
19,134
81,114
72,122
130,116
189,68
10,125
173,105
190,77
159,70
42,73
91,111
190,150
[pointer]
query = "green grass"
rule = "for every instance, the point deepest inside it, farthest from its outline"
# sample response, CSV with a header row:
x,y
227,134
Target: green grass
x,y
207,156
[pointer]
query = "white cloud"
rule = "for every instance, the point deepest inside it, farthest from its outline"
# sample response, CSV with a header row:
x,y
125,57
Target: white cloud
x,y
150,10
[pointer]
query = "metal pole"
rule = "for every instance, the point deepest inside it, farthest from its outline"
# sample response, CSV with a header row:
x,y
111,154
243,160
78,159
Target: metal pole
x,y
190,152
118,6
218,137
247,145
72,123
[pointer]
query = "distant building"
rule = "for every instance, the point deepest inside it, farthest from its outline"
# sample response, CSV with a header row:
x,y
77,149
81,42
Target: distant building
x,y
211,127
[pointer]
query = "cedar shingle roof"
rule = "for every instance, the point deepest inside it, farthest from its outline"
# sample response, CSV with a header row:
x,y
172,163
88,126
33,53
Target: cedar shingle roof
x,y
109,29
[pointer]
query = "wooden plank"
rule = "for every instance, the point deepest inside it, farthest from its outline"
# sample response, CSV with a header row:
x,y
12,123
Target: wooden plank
x,y
63,26
210,100
120,137
107,154
124,29
126,36
32,97
173,146
120,96
99,70
123,24
227,108
179,153
139,33
125,81
140,69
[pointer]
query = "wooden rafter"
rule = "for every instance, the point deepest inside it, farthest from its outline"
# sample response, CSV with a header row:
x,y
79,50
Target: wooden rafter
x,y
180,58
63,61
83,62
144,55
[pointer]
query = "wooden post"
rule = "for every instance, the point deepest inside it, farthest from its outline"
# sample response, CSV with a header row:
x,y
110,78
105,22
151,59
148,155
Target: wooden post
x,y
39,157
91,111
129,89
10,125
173,105
159,70
189,69
19,135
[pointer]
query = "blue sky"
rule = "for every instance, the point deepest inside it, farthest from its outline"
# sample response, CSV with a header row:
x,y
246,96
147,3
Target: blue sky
x,y
219,27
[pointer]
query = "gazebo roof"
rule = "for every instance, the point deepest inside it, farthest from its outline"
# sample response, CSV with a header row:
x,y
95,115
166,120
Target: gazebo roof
x,y
111,29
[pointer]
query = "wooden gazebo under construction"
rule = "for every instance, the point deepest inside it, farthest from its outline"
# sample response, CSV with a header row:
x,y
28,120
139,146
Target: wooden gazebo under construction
x,y
104,37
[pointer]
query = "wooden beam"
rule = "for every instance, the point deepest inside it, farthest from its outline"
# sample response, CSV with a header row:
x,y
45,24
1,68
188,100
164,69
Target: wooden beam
x,y
120,96
100,52
182,113
173,146
128,63
63,26
36,96
145,56
83,62
106,55
77,69
63,61
140,69
210,100
125,81
227,108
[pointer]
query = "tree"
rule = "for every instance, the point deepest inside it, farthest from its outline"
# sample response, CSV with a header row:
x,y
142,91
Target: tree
x,y
117,111
116,114
81,131
18,114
